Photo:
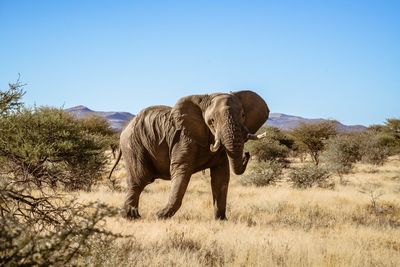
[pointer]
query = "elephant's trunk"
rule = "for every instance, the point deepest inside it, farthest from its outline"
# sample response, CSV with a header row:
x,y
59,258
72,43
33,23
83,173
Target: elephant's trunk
x,y
233,140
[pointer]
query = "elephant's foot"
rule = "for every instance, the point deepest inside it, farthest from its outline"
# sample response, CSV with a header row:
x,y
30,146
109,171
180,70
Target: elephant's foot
x,y
130,213
165,214
220,217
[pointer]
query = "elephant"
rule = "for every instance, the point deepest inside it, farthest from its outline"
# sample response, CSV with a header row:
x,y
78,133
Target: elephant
x,y
200,132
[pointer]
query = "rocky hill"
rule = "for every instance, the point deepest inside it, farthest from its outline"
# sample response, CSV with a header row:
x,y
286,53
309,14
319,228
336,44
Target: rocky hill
x,y
282,121
117,120
287,122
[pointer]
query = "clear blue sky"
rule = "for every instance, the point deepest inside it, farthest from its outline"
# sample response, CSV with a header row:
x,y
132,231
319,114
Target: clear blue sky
x,y
329,59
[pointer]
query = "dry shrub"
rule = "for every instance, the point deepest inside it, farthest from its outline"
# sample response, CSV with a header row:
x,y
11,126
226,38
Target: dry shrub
x,y
306,217
384,214
134,252
342,151
262,174
38,228
310,175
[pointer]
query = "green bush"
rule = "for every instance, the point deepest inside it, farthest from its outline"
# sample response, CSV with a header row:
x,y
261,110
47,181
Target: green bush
x,y
275,147
390,134
262,174
49,146
373,149
310,175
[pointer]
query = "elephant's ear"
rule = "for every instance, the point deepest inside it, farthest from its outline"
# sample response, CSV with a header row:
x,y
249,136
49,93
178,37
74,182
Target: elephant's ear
x,y
188,117
256,110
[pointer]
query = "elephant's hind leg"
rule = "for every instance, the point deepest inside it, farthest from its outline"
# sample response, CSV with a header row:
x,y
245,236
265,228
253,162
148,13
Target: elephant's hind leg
x,y
137,181
131,205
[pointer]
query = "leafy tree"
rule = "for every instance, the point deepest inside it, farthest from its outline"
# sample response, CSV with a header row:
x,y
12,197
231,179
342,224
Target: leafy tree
x,y
100,126
391,137
392,125
40,147
48,145
312,137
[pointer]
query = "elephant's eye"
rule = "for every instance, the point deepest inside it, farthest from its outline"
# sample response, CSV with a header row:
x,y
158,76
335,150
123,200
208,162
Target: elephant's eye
x,y
211,122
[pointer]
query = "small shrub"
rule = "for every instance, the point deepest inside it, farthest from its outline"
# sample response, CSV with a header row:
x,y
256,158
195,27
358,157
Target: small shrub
x,y
44,229
310,175
373,148
268,150
262,174
275,147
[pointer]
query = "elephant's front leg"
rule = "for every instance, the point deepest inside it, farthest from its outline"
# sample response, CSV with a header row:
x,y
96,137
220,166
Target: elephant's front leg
x,y
180,176
219,187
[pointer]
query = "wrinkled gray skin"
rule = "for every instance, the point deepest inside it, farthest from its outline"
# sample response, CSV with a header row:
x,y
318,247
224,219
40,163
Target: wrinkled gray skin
x,y
173,143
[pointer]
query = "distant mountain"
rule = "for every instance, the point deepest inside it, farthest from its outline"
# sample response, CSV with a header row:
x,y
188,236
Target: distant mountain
x,y
117,120
287,122
282,121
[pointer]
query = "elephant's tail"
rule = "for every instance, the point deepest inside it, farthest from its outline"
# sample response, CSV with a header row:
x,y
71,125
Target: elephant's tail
x,y
115,164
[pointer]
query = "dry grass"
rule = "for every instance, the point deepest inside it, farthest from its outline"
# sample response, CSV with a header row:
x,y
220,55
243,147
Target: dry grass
x,y
267,226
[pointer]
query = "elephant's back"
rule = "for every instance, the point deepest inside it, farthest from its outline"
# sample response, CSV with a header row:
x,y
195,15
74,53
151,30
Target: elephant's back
x,y
148,116
149,129
151,119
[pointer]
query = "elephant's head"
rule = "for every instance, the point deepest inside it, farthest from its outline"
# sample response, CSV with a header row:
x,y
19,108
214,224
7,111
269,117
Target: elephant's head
x,y
222,120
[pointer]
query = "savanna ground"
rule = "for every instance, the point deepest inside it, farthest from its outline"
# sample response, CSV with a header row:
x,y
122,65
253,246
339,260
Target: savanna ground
x,y
355,224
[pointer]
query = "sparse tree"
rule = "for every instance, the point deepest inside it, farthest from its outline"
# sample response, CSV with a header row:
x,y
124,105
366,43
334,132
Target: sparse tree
x,y
312,137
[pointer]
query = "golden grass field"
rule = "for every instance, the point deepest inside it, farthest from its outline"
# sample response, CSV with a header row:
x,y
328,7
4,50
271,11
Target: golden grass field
x,y
356,224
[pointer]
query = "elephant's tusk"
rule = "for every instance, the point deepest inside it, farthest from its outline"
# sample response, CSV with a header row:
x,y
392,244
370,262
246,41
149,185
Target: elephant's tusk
x,y
256,137
215,146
